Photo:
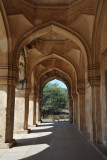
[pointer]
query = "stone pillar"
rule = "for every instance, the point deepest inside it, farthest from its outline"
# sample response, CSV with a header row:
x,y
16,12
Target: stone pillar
x,y
3,107
31,107
26,110
95,82
19,112
10,112
38,112
96,114
71,109
34,111
82,110
7,98
75,108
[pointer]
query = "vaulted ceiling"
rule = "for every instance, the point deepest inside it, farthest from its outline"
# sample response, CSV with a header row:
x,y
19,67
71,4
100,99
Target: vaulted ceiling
x,y
57,36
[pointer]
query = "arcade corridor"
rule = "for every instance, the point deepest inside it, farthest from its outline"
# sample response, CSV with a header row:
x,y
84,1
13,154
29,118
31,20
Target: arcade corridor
x,y
42,40
51,141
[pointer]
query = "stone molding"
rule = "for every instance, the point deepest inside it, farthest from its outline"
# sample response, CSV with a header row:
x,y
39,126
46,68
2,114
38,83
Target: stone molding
x,y
104,54
20,93
94,77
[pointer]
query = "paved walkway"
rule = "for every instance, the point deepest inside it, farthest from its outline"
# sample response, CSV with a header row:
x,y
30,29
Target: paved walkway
x,y
51,141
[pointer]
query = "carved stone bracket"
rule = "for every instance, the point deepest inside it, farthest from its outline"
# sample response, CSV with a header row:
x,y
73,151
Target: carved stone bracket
x,y
81,86
81,90
104,53
75,95
20,93
94,77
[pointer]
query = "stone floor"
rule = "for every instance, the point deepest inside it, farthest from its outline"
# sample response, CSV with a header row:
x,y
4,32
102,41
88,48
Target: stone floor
x,y
51,141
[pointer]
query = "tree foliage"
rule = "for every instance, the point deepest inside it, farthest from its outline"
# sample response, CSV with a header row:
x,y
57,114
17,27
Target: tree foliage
x,y
54,99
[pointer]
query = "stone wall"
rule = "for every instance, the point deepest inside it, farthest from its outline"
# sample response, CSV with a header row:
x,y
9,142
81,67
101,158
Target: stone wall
x,y
103,99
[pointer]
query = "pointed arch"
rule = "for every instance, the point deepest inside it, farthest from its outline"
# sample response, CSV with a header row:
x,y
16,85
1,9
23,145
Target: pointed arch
x,y
58,28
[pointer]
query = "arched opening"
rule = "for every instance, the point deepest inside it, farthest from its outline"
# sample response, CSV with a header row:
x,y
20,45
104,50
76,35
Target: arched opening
x,y
44,41
55,104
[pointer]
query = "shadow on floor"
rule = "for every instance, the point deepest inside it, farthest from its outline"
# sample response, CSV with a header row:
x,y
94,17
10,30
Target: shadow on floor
x,y
61,142
46,134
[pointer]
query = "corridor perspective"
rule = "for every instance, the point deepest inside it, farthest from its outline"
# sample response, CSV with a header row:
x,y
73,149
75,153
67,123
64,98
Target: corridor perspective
x,y
43,40
52,141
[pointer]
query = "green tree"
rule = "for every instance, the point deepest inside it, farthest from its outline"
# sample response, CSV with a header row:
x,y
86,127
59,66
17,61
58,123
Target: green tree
x,y
54,99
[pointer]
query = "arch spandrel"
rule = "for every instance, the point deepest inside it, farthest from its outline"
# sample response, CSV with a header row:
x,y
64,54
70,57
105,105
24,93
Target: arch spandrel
x,y
56,69
58,28
54,56
5,47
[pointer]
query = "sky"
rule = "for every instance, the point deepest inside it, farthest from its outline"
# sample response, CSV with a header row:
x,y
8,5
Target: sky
x,y
61,84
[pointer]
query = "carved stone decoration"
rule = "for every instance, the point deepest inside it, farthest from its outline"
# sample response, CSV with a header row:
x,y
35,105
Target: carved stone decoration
x,y
104,53
22,70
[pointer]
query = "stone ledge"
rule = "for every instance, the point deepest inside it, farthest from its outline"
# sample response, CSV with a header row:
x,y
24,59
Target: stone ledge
x,y
22,131
8,145
34,125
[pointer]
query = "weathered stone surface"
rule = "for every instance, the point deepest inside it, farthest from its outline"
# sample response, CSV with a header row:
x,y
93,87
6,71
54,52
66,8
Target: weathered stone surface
x,y
3,108
19,111
45,40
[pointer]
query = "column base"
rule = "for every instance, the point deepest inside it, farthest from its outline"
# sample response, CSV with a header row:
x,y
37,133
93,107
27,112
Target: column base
x,y
39,122
29,130
36,125
8,145
22,131
71,121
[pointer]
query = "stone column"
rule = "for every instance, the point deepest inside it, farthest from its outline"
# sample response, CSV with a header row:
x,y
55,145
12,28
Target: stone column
x,y
7,98
31,108
95,82
71,109
19,112
96,114
26,110
3,108
10,112
82,109
75,108
38,112
34,111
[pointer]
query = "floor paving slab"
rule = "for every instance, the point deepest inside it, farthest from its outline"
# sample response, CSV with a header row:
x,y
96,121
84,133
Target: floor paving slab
x,y
52,141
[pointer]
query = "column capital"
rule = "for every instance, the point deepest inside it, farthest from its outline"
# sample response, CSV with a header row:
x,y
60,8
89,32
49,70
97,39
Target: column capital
x,y
31,96
27,92
81,91
94,77
39,98
75,95
20,93
81,86
94,81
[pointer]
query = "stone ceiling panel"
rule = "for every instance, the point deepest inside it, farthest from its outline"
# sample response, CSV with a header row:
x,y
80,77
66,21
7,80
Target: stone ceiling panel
x,y
50,46
53,36
51,64
74,55
18,26
84,25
